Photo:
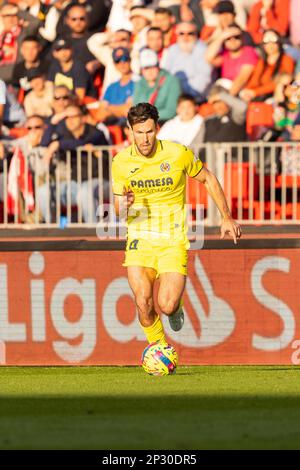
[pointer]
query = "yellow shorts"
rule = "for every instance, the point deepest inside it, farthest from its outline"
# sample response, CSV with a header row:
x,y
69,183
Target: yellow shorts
x,y
161,257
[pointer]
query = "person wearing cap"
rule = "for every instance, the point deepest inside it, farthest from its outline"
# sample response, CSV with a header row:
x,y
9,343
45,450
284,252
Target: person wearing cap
x,y
186,60
67,71
117,98
102,46
14,31
39,99
236,61
156,86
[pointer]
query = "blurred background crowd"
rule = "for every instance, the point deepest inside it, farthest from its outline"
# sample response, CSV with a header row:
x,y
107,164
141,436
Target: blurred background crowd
x,y
217,70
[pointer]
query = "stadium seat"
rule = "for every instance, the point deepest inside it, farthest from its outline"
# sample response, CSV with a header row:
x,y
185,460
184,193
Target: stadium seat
x,y
259,115
236,174
17,132
116,134
196,193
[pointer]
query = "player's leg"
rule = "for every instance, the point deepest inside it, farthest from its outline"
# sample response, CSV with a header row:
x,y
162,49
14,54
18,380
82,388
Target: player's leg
x,y
171,288
172,271
141,281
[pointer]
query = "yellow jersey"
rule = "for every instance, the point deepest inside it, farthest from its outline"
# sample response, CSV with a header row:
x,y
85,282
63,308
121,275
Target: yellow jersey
x,y
159,185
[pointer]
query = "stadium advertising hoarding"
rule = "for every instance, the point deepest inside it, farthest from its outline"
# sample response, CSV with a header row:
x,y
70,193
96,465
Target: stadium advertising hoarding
x,y
75,307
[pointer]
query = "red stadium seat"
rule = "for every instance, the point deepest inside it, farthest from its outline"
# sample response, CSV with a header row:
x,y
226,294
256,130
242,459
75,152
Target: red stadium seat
x,y
259,115
196,193
236,174
116,134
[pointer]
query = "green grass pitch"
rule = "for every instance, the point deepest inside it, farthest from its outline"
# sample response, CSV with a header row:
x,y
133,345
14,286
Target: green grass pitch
x,y
219,407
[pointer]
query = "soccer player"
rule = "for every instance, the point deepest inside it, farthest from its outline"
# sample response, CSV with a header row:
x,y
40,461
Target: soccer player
x,y
149,179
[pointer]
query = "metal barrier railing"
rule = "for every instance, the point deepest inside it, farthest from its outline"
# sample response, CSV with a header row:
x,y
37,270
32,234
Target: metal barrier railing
x,y
261,182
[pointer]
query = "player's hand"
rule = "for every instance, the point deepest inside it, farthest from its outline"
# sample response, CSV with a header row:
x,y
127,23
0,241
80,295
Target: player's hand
x,y
231,227
129,197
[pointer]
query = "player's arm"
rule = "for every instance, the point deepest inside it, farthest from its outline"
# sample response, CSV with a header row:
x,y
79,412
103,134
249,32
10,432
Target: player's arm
x,y
215,190
123,202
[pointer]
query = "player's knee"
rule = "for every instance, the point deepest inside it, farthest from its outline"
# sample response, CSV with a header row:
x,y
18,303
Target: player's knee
x,y
144,304
168,306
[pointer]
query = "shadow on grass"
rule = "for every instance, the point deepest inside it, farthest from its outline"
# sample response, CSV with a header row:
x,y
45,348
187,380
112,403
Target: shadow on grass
x,y
158,422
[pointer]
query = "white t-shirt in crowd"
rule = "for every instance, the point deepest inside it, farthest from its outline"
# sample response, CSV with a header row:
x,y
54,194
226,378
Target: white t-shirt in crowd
x,y
182,132
2,92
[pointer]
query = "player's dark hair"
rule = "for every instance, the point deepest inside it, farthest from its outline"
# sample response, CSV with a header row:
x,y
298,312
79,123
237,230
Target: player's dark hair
x,y
141,113
186,97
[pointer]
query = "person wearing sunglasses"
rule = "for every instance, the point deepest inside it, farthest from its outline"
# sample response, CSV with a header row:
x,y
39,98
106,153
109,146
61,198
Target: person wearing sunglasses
x,y
235,61
77,23
186,60
273,63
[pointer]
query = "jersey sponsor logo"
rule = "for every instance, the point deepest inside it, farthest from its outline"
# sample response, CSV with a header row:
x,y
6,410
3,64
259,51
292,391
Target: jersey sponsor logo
x,y
164,167
133,244
151,183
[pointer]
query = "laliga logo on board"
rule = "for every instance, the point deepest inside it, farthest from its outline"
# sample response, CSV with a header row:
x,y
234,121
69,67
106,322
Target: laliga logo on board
x,y
216,326
165,167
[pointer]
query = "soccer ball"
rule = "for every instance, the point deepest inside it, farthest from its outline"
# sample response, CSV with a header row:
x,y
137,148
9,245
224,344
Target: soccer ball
x,y
159,359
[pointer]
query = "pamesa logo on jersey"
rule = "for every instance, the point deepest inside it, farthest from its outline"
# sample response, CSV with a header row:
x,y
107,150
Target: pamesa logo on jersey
x,y
164,167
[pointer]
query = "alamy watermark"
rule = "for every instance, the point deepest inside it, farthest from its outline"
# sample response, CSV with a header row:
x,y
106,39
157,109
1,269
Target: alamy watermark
x,y
173,223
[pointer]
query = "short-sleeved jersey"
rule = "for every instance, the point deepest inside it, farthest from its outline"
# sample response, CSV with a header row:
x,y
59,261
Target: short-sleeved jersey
x,y
159,186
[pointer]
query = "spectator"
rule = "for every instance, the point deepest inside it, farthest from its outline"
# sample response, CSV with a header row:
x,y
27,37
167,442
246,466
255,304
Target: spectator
x,y
73,134
262,83
67,71
141,19
28,148
226,16
55,26
39,99
102,46
165,21
157,86
203,14
268,14
237,61
287,110
186,60
155,41
12,35
118,96
77,21
30,51
186,127
228,122
62,99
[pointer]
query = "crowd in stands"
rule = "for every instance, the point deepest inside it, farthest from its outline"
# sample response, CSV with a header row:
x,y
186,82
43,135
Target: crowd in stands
x,y
70,70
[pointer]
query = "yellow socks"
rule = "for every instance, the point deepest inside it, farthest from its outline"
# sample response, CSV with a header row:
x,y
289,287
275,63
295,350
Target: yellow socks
x,y
155,332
